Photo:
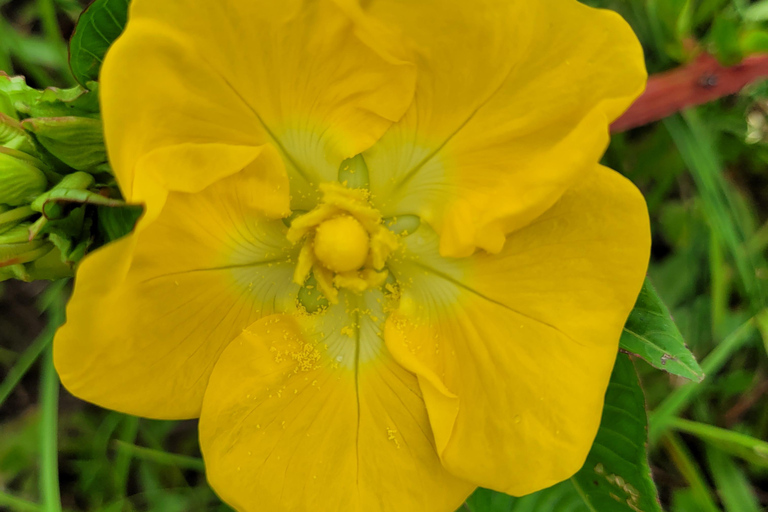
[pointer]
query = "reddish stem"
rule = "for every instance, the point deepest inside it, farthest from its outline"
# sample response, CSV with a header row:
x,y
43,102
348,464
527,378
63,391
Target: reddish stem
x,y
699,82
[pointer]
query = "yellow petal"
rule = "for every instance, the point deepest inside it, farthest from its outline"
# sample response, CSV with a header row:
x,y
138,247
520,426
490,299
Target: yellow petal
x,y
247,73
512,105
151,313
519,346
298,420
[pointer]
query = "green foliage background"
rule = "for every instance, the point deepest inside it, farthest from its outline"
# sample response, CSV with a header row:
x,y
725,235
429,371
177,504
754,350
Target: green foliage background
x,y
704,173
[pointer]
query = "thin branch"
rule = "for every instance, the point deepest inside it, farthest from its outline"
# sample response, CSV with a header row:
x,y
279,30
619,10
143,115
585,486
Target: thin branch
x,y
699,82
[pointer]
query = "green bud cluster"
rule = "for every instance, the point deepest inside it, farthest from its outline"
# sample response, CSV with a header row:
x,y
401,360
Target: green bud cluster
x,y
58,197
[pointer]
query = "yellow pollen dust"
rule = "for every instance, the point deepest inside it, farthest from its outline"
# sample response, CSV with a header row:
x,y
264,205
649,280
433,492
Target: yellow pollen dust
x,y
345,243
341,244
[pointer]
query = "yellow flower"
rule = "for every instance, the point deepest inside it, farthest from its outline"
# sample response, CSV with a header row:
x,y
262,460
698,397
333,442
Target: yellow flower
x,y
445,308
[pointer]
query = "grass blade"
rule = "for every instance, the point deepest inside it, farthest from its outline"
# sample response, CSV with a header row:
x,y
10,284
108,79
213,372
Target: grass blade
x,y
679,399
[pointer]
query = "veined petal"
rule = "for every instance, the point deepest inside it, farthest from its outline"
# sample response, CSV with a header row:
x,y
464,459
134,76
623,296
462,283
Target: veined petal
x,y
247,73
156,93
152,312
519,346
512,106
301,417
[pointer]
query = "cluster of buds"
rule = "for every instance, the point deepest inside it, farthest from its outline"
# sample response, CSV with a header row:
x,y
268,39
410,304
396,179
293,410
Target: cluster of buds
x,y
58,197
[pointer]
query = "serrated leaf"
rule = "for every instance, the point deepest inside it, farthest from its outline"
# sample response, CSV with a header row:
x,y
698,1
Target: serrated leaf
x,y
651,333
99,25
616,476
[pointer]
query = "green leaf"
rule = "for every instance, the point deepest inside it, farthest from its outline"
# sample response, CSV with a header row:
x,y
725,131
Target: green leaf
x,y
99,25
725,39
116,222
753,41
616,476
484,500
651,334
563,497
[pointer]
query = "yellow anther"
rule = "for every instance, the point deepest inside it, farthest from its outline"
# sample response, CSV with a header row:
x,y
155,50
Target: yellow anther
x,y
360,281
383,243
341,244
305,263
353,201
324,278
301,226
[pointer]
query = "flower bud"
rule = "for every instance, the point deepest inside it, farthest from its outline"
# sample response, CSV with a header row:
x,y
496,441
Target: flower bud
x,y
13,136
23,252
16,235
21,181
76,141
11,217
74,181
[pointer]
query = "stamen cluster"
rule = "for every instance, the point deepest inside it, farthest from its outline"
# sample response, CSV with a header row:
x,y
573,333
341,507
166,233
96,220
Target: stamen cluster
x,y
346,245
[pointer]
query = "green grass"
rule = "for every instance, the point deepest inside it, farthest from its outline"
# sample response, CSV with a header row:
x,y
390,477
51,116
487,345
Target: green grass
x,y
706,183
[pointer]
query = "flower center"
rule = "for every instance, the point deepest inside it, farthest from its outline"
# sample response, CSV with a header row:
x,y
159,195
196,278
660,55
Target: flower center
x,y
341,244
345,243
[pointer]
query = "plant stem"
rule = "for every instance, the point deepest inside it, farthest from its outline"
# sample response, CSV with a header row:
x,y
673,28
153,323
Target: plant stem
x,y
49,405
690,472
162,457
699,82
25,362
128,432
49,463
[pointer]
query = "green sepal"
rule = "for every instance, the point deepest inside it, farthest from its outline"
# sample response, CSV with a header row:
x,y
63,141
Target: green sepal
x,y
53,206
15,93
20,179
71,235
311,298
54,102
18,100
78,100
76,141
50,267
71,190
353,172
403,224
74,181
